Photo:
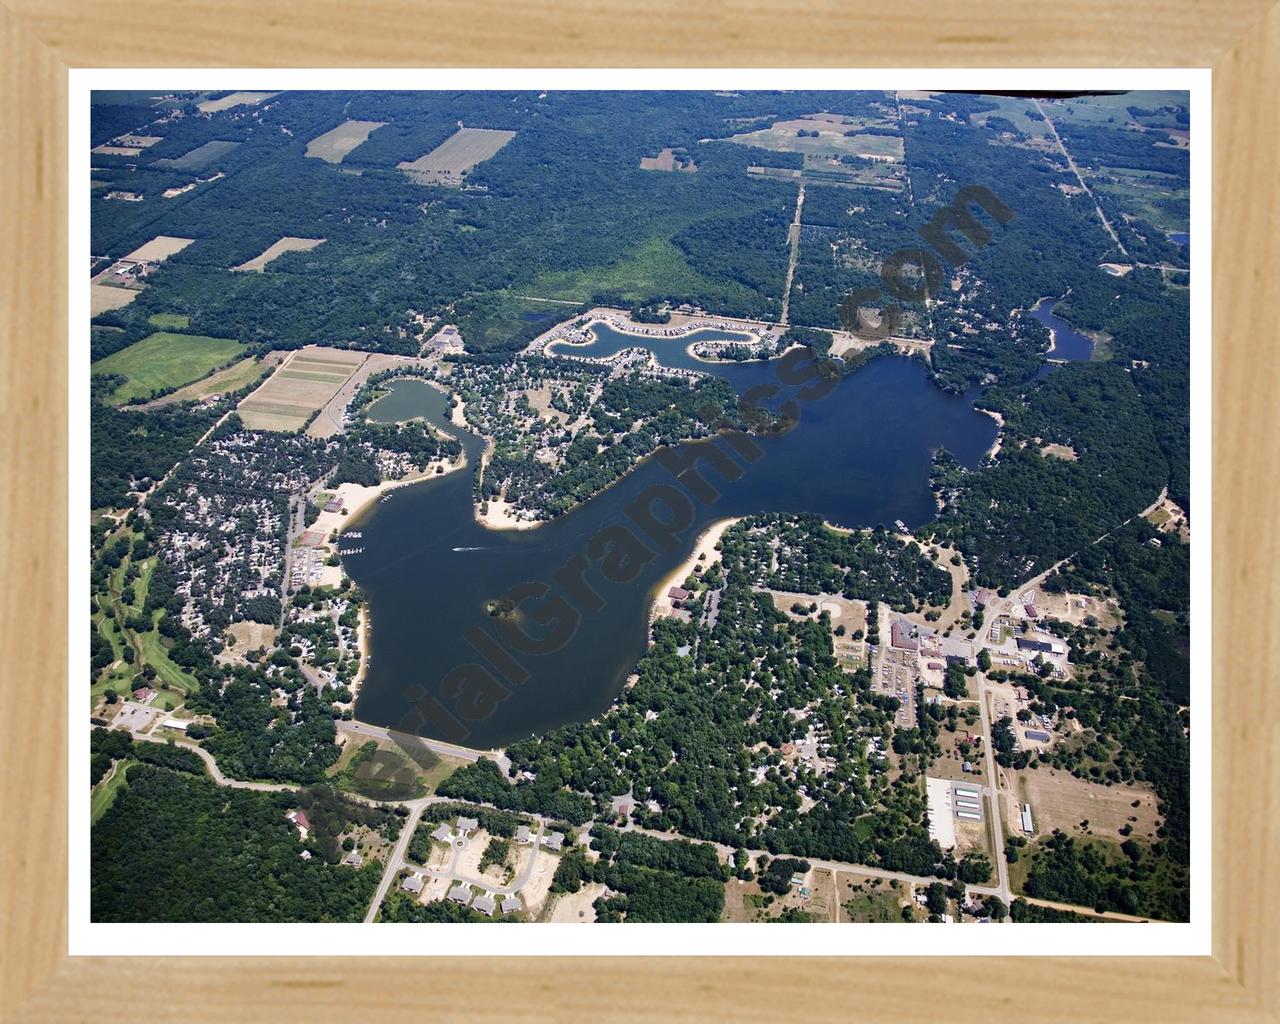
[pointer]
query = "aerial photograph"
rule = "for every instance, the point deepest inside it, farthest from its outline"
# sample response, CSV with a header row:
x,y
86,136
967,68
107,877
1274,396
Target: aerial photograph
x,y
590,507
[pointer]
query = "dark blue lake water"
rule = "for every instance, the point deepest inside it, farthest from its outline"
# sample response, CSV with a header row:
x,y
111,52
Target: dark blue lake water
x,y
442,665
1068,343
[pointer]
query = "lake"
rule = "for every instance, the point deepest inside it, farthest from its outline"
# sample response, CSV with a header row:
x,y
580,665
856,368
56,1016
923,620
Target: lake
x,y
1068,343
858,457
409,399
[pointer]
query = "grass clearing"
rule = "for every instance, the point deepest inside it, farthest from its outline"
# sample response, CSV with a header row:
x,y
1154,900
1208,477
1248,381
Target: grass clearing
x,y
1097,110
824,137
449,162
1059,451
1156,198
333,146
380,771
104,794
284,245
669,160
1061,801
655,267
164,360
868,900
232,378
166,321
200,157
1015,110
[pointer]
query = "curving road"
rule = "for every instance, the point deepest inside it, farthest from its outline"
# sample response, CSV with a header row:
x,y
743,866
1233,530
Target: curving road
x,y
212,765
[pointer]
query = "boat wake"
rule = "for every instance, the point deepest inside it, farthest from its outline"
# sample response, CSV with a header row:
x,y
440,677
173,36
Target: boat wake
x,y
468,549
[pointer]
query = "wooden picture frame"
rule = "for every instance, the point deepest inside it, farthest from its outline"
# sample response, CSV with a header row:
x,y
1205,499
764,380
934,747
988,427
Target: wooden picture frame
x,y
42,39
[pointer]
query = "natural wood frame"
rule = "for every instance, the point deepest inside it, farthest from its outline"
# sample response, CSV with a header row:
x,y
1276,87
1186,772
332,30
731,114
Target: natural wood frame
x,y
41,39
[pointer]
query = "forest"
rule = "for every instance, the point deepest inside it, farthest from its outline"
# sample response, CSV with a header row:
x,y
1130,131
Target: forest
x,y
174,847
130,450
1028,510
865,565
650,879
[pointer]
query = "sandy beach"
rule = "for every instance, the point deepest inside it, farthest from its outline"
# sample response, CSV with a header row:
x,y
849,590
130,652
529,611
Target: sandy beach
x,y
357,499
458,415
994,450
498,516
362,645
704,545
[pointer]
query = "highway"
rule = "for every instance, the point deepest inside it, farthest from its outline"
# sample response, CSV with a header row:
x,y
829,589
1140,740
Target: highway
x,y
397,859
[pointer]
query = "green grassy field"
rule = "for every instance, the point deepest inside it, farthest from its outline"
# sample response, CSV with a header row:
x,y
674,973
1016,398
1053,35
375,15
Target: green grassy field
x,y
1157,198
167,320
105,794
656,267
233,378
877,907
165,360
1101,109
1015,110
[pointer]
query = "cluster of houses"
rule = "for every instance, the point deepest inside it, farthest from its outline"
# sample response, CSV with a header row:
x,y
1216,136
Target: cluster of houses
x,y
227,537
226,540
476,897
332,652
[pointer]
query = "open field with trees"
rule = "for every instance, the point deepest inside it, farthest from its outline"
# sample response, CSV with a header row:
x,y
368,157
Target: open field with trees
x,y
164,361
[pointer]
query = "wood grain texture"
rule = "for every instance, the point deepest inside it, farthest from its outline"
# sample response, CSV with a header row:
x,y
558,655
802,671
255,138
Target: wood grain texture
x,y
1246,448
658,33
33,504
39,39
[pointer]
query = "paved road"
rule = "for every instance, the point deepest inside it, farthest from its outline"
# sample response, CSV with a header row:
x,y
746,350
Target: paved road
x,y
997,834
453,875
396,858
1080,178
826,865
212,765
